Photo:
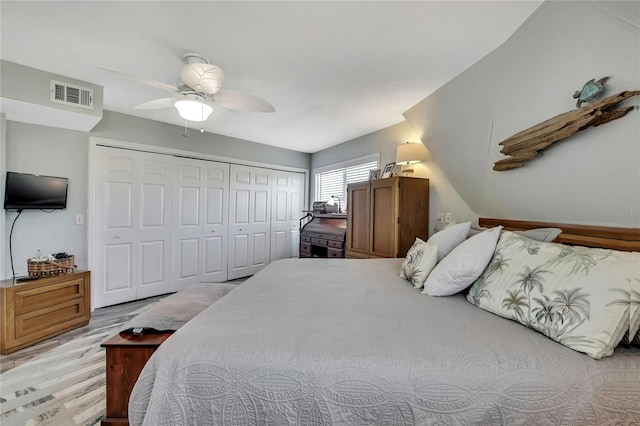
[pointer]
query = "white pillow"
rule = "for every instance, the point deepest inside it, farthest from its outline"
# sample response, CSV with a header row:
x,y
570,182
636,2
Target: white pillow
x,y
420,260
449,238
463,265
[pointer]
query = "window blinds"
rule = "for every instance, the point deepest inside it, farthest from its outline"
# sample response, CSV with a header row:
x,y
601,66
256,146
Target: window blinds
x,y
334,182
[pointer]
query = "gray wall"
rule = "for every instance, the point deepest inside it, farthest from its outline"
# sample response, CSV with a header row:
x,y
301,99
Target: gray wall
x,y
132,129
443,197
3,169
592,177
54,152
58,152
33,86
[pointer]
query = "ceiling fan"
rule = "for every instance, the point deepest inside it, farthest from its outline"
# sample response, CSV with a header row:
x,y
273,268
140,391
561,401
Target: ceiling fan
x,y
197,91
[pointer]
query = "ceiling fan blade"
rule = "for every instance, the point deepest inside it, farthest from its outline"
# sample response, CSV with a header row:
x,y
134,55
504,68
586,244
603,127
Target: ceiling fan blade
x,y
142,80
241,101
157,103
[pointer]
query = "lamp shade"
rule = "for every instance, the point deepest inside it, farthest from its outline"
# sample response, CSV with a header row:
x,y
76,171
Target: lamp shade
x,y
409,153
193,110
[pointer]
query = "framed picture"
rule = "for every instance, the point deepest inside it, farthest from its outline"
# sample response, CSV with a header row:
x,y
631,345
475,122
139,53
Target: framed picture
x,y
387,170
374,174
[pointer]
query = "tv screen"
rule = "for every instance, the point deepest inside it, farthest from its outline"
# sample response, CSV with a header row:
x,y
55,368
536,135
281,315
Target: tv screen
x,y
25,191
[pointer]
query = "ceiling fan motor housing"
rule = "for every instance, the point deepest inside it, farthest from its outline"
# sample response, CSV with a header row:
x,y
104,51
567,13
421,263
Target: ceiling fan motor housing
x,y
202,77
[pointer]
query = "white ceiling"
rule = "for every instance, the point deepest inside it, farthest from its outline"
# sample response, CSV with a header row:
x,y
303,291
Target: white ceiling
x,y
333,70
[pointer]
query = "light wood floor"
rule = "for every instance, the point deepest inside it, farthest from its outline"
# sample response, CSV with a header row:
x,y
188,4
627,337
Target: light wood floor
x,y
61,381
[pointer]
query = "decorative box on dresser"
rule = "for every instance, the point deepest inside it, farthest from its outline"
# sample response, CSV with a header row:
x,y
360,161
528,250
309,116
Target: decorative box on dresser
x,y
33,311
385,216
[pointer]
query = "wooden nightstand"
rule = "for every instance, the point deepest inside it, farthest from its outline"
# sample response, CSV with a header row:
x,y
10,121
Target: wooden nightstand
x,y
126,356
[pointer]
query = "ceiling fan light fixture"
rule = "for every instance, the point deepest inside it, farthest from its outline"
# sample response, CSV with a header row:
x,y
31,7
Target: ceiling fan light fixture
x,y
193,110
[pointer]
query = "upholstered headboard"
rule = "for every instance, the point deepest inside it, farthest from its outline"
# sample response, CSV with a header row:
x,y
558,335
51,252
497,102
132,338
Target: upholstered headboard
x,y
627,239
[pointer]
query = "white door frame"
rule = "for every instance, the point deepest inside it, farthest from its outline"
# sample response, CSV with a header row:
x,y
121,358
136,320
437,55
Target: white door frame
x,y
94,142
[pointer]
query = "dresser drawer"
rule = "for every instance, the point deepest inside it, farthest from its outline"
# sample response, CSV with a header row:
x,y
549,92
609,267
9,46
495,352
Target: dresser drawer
x,y
49,320
29,300
333,253
305,249
319,242
335,244
305,239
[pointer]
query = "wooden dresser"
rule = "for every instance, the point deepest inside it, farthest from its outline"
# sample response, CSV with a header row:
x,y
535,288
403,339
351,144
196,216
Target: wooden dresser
x,y
385,216
34,311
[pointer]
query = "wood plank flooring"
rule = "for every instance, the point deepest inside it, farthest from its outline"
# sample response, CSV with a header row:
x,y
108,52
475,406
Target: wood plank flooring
x,y
61,381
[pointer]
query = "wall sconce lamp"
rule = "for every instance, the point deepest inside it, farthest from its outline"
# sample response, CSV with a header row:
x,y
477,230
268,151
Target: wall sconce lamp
x,y
409,153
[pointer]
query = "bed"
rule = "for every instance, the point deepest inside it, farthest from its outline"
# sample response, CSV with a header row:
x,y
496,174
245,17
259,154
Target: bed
x,y
348,342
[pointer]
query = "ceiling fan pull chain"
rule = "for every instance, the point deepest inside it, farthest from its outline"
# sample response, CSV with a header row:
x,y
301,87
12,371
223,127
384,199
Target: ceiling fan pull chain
x,y
202,116
185,129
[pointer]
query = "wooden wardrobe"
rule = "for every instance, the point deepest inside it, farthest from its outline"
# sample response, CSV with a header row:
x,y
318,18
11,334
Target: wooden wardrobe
x,y
385,216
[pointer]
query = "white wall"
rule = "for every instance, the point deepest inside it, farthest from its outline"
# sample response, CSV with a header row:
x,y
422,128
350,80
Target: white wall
x,y
443,197
592,177
54,152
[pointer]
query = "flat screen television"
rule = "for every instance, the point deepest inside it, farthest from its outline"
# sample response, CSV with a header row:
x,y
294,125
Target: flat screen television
x,y
26,191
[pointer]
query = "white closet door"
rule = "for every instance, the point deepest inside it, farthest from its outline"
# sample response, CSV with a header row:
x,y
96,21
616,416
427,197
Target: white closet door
x,y
249,220
286,211
131,253
200,200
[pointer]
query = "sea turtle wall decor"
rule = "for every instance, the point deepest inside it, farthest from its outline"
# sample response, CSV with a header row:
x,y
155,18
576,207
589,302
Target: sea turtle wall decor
x,y
525,145
590,90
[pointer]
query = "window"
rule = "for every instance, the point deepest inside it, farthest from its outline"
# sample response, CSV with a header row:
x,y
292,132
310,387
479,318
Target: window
x,y
333,180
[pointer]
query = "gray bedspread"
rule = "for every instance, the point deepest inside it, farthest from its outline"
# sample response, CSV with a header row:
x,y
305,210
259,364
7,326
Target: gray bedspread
x,y
176,310
347,342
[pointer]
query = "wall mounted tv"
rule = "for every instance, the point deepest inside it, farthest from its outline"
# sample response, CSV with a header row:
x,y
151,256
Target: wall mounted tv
x,y
25,191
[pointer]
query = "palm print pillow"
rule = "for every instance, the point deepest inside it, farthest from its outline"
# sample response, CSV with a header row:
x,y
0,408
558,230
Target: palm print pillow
x,y
421,259
580,297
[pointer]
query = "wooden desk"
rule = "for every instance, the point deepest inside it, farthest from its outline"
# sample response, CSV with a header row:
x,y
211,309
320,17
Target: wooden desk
x,y
324,236
126,356
33,311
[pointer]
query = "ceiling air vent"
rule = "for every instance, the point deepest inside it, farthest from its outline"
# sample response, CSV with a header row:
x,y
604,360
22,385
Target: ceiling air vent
x,y
63,93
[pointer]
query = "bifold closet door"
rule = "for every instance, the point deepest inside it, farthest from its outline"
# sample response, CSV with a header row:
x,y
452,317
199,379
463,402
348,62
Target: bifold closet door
x,y
249,220
201,231
131,223
286,210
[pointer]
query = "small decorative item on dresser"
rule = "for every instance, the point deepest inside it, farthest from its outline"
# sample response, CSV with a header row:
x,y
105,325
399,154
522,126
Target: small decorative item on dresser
x,y
374,174
386,173
58,264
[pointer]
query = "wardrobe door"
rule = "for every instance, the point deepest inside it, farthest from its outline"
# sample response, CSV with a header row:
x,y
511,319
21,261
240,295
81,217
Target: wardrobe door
x,y
200,225
358,212
287,200
384,218
131,226
249,220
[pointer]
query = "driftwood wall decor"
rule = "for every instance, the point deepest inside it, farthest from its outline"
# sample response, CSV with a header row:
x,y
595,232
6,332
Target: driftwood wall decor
x,y
524,146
